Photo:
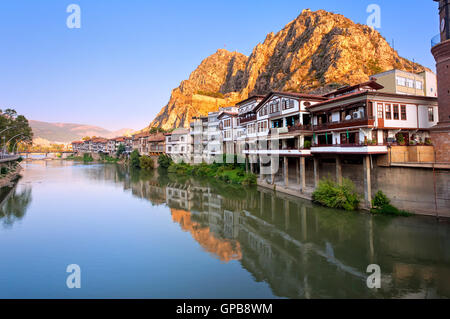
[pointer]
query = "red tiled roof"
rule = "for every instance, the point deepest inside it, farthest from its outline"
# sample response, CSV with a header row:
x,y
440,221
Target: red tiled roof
x,y
99,140
372,83
227,113
342,97
292,94
156,137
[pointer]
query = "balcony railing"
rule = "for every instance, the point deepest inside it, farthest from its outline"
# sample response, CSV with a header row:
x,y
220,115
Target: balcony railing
x,y
247,119
435,40
299,127
369,120
350,145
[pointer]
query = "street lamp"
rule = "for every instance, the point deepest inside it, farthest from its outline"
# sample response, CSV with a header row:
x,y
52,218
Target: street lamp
x,y
17,142
4,146
4,137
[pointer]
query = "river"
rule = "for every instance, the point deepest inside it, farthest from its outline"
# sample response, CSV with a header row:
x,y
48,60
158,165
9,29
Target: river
x,y
138,234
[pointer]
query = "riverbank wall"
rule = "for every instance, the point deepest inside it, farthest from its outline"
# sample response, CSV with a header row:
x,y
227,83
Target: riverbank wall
x,y
9,170
423,190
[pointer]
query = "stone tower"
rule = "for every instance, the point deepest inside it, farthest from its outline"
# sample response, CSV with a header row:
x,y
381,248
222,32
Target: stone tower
x,y
440,134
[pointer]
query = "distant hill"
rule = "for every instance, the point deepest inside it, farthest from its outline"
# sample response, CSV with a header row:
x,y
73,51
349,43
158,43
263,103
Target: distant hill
x,y
69,132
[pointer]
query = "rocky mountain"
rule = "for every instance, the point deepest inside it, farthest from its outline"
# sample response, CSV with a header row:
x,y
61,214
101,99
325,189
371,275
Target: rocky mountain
x,y
45,132
316,51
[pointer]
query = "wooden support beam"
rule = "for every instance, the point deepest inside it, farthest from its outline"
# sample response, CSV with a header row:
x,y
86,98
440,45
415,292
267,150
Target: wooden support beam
x,y
367,181
316,172
302,174
286,171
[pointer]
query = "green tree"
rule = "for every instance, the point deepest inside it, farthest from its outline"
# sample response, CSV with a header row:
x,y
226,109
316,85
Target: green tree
x,y
15,128
134,159
146,162
120,150
164,161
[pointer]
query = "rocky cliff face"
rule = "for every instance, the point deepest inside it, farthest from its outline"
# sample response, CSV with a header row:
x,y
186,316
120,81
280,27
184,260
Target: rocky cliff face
x,y
315,52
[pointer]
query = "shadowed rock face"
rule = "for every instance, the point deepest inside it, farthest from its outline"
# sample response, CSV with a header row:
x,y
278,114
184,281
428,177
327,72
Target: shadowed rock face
x,y
315,52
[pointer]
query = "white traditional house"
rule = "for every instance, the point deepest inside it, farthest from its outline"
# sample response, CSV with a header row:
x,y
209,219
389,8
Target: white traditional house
x,y
228,119
178,144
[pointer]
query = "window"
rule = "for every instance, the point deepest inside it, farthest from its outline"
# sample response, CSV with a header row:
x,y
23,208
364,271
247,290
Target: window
x,y
403,112
431,114
388,112
419,85
380,110
401,81
410,83
396,115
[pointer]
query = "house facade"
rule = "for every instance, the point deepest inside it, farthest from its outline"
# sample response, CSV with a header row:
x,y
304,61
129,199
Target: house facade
x,y
362,120
179,144
403,82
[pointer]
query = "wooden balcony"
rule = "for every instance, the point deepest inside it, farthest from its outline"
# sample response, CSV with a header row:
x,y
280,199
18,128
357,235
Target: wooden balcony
x,y
299,128
367,121
247,119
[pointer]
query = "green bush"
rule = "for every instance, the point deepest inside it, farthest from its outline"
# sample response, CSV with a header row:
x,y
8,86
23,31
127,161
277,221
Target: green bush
x,y
164,161
224,172
380,200
249,179
87,157
120,150
134,159
146,162
333,195
382,205
389,209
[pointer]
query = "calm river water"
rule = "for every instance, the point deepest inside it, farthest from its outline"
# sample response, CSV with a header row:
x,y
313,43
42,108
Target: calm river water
x,y
150,235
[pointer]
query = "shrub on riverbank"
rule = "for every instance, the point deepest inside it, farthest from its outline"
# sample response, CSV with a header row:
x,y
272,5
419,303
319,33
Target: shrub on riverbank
x,y
146,162
331,194
228,173
108,159
381,204
164,161
87,157
134,159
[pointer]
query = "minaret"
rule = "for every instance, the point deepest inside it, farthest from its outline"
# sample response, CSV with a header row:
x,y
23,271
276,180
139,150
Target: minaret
x,y
440,134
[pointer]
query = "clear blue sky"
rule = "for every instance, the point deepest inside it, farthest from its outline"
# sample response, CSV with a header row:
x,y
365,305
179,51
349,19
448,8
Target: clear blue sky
x,y
118,70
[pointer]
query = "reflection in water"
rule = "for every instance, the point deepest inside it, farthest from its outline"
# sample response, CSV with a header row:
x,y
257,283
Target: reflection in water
x,y
299,249
247,242
13,204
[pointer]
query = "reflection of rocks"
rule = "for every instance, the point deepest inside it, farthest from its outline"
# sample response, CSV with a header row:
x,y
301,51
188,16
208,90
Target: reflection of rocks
x,y
225,250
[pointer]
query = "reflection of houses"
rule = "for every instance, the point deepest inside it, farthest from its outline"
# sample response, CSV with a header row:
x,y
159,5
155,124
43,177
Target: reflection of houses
x,y
304,251
179,196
